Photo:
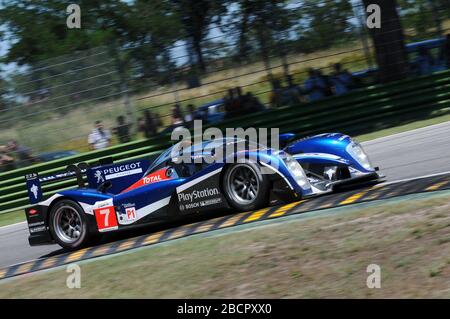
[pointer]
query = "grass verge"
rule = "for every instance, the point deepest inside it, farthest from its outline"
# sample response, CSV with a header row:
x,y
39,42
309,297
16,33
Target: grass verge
x,y
12,218
297,258
403,128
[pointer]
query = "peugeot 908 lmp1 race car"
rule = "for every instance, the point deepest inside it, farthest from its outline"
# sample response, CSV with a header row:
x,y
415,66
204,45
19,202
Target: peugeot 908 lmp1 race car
x,y
188,179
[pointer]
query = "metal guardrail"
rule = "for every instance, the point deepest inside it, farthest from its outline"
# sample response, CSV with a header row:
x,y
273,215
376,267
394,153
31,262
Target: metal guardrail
x,y
360,111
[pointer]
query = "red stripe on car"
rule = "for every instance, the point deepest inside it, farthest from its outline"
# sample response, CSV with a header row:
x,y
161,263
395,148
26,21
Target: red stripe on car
x,y
159,175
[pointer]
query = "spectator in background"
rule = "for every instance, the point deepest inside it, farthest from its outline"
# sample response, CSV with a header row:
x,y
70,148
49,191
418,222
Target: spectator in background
x,y
292,93
177,115
445,52
316,85
341,80
424,62
99,137
236,105
22,154
149,124
6,161
228,99
190,116
276,94
122,130
252,103
327,80
233,102
141,125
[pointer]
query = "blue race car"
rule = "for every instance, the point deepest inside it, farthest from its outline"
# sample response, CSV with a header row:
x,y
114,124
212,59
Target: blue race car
x,y
188,179
333,158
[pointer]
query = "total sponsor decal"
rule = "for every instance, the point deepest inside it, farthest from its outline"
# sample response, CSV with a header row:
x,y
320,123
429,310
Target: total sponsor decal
x,y
158,176
194,199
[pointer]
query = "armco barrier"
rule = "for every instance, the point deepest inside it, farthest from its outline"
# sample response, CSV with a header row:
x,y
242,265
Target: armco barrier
x,y
360,111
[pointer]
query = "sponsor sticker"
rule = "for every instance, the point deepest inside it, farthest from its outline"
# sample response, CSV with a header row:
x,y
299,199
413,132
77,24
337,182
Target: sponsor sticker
x,y
106,219
198,194
155,177
122,170
37,229
130,214
127,215
32,212
122,174
36,224
198,199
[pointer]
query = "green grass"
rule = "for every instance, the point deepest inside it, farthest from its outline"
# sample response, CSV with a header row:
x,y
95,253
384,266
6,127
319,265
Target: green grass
x,y
322,257
12,218
403,128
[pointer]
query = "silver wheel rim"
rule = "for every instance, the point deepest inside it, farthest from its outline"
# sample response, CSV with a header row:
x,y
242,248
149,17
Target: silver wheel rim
x,y
68,224
243,184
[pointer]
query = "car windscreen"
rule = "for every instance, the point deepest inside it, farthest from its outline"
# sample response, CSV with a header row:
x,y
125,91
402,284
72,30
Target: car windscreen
x,y
199,148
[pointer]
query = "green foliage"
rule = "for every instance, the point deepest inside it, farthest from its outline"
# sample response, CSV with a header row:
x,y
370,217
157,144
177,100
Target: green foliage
x,y
3,93
195,17
422,17
324,24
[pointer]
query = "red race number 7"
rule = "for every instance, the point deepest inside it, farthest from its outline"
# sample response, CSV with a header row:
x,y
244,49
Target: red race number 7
x,y
106,219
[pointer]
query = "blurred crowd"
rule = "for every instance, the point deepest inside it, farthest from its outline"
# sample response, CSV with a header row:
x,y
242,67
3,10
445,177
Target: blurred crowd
x,y
13,155
237,104
340,81
316,86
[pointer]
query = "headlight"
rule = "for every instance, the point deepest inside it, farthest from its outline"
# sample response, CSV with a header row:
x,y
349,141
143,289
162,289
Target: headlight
x,y
297,171
357,152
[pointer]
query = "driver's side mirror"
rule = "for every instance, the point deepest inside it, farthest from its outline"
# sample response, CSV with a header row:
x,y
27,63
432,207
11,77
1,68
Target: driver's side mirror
x,y
285,139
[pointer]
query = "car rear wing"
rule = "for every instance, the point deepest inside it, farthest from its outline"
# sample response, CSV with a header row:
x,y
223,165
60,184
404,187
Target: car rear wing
x,y
34,181
119,175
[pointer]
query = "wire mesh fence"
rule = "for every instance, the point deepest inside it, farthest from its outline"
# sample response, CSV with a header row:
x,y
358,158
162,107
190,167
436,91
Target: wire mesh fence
x,y
53,104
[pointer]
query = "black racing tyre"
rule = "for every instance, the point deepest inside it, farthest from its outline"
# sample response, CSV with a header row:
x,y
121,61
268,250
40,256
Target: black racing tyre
x,y
245,187
69,226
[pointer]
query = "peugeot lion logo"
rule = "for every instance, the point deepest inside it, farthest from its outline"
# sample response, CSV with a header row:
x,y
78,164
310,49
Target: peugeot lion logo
x,y
98,175
34,190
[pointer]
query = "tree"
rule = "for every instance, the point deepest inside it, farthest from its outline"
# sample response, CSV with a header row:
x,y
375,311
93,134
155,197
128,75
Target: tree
x,y
423,16
196,18
389,43
266,23
137,33
156,28
3,93
246,9
324,23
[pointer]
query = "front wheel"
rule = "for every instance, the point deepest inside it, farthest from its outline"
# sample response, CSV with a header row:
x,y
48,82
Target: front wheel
x,y
245,187
68,225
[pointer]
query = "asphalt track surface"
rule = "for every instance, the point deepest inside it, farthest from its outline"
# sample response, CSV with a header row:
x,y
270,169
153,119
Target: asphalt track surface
x,y
401,156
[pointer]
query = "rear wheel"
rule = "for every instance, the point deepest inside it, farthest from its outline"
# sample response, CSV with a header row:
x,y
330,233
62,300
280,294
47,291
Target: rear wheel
x,y
68,225
245,187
